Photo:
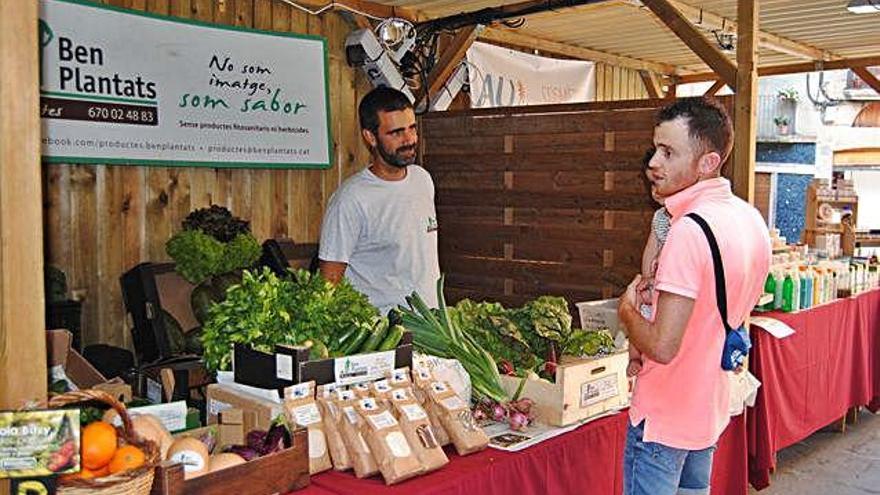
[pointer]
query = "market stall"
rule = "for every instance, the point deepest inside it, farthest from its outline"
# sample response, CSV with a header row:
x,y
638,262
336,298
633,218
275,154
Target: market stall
x,y
587,460
811,378
521,192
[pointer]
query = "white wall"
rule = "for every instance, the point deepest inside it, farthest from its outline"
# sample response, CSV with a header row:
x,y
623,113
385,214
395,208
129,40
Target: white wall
x,y
868,188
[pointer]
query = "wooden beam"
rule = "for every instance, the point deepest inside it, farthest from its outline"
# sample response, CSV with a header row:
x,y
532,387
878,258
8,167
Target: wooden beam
x,y
691,37
713,22
359,7
450,59
845,63
506,36
652,84
869,78
22,319
714,88
746,100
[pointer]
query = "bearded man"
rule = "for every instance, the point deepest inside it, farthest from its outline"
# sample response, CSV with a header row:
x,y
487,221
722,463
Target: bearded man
x,y
380,228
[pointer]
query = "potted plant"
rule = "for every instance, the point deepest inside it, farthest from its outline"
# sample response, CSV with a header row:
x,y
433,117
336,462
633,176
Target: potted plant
x,y
788,95
781,122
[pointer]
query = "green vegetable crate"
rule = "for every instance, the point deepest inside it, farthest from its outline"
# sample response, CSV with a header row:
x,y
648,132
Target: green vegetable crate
x,y
290,365
584,388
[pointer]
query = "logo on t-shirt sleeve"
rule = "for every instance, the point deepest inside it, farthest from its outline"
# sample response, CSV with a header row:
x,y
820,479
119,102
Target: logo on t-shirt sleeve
x,y
432,225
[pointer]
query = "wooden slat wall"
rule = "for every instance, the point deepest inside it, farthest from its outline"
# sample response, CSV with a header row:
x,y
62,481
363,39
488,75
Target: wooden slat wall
x,y
617,83
102,220
541,200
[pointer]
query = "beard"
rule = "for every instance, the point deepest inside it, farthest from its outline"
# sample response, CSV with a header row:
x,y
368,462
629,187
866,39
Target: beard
x,y
397,158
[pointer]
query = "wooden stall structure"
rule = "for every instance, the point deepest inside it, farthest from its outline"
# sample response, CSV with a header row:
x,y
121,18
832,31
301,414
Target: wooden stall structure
x,y
102,220
542,200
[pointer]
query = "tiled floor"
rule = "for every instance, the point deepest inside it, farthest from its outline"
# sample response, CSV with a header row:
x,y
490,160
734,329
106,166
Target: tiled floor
x,y
829,463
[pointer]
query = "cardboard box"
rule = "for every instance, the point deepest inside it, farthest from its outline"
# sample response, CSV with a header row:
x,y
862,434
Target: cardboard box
x,y
172,380
80,372
257,412
584,388
291,365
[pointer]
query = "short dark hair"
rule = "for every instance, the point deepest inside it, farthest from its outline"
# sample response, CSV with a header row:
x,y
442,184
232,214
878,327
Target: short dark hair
x,y
383,99
708,123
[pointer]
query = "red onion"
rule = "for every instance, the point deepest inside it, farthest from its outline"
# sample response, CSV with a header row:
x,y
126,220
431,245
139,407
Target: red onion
x,y
518,421
498,413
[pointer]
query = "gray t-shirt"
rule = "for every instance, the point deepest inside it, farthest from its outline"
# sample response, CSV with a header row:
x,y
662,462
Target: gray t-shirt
x,y
386,231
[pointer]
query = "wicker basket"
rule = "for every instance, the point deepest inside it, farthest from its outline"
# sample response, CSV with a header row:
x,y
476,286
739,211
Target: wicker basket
x,y
132,482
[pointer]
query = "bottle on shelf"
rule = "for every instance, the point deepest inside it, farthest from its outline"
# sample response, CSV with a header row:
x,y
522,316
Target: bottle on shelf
x,y
777,297
796,294
770,288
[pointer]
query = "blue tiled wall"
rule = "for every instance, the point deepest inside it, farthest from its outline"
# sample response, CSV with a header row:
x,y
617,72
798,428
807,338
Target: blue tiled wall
x,y
786,153
791,196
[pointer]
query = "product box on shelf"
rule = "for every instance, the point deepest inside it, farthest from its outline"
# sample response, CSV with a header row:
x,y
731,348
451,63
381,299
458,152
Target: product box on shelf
x,y
258,407
290,365
61,357
584,388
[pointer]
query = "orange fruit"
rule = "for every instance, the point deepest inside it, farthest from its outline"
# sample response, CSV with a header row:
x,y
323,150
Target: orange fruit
x,y
126,457
98,444
104,471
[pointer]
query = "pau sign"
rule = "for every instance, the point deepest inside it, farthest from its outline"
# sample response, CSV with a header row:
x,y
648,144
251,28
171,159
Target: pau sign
x,y
125,87
501,77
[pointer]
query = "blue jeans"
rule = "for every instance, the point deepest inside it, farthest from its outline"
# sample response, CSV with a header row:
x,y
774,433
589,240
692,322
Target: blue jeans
x,y
650,468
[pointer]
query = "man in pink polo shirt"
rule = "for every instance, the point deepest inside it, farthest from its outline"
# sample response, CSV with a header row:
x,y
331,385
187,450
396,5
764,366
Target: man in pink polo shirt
x,y
680,402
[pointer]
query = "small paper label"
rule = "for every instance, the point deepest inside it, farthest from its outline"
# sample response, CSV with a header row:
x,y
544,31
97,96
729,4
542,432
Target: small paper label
x,y
598,390
363,367
344,394
154,391
307,414
413,412
215,406
453,403
382,386
172,415
331,408
284,366
382,420
191,460
424,374
351,414
317,444
439,387
363,387
399,376
398,445
368,404
399,394
298,391
328,390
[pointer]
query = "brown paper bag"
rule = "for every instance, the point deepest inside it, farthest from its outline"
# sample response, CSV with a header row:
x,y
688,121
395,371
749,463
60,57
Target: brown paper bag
x,y
362,390
456,416
338,450
422,380
349,426
399,378
302,410
381,391
417,429
397,461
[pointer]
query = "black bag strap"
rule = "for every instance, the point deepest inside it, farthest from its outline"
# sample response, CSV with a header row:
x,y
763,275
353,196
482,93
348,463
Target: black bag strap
x,y
718,265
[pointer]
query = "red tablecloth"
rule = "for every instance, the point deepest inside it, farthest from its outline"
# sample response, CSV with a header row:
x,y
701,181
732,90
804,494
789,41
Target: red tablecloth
x,y
810,379
585,461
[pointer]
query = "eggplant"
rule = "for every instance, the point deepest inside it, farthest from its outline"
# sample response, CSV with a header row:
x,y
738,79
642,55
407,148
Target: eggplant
x,y
245,452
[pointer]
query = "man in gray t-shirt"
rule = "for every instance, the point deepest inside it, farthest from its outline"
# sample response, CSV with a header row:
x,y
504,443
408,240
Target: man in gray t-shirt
x,y
380,228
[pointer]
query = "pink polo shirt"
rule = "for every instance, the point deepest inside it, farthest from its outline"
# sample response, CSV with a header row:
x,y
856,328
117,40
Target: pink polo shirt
x,y
685,403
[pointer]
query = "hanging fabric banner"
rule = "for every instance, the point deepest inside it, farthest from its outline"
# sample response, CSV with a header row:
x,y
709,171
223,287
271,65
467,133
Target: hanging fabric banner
x,y
501,77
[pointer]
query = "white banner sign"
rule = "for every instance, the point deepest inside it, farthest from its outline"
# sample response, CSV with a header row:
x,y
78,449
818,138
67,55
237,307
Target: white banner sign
x,y
118,86
501,77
